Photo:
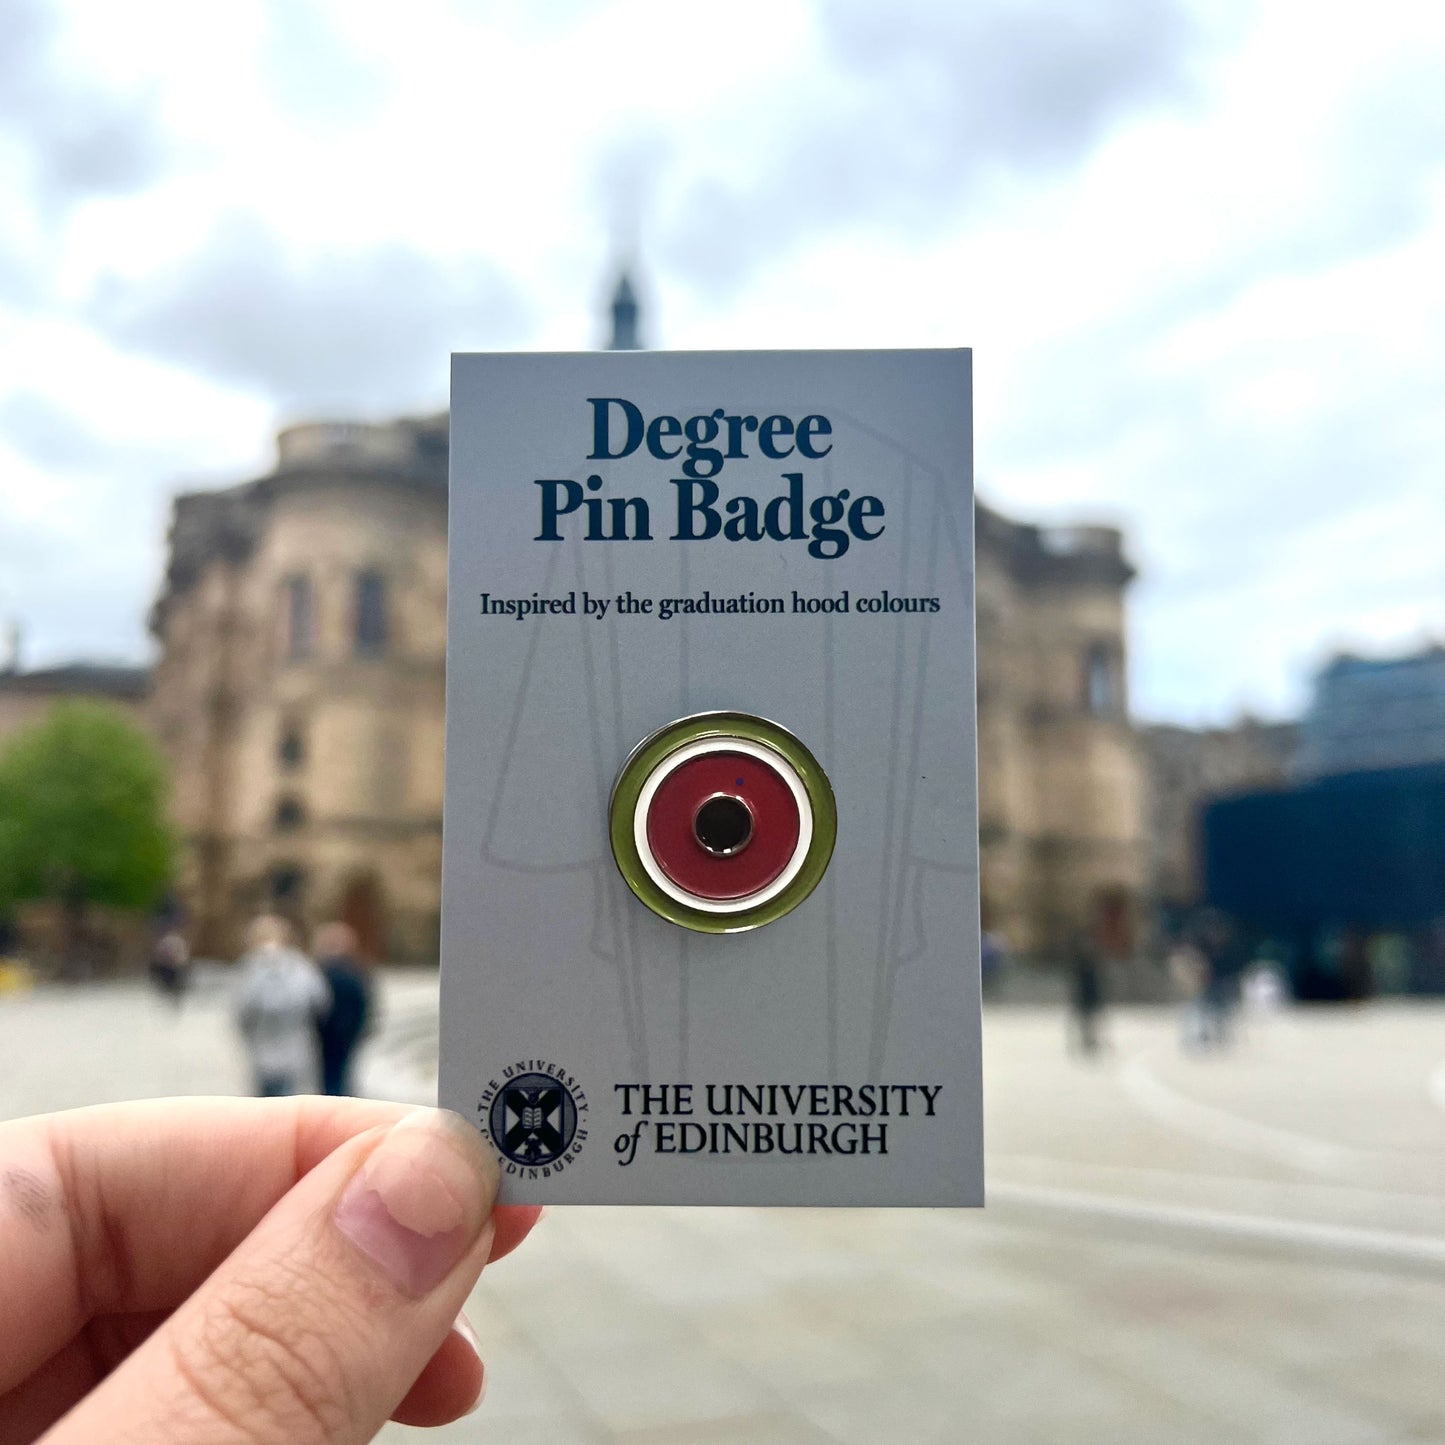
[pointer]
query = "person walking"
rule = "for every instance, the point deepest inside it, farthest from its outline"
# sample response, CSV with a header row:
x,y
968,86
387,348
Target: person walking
x,y
170,967
1086,992
341,1027
1188,972
280,996
1218,945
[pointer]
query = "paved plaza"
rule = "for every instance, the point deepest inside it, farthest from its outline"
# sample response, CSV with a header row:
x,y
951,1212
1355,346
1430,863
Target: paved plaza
x,y
1202,1250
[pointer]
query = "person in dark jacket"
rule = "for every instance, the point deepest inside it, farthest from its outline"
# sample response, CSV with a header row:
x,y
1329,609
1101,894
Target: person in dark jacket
x,y
342,1026
1086,991
170,966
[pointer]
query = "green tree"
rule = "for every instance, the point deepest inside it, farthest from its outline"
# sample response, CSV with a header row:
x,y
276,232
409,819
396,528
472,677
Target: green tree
x,y
83,814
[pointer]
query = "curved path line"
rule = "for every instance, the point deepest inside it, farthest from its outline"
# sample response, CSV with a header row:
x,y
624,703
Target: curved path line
x,y
1345,1239
1435,1086
1230,1131
1090,1174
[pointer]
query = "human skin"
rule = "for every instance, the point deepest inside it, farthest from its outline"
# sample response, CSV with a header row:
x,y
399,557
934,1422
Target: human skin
x,y
242,1272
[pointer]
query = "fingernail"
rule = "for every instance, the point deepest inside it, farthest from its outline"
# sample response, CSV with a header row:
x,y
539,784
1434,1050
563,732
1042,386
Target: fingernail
x,y
421,1199
463,1327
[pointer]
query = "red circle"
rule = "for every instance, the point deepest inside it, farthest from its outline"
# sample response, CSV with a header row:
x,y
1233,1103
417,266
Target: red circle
x,y
686,862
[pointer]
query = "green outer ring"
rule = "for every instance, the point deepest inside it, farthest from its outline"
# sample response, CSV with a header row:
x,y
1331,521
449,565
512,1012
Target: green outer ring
x,y
665,741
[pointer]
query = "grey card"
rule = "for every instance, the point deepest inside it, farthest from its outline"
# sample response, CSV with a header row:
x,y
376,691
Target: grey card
x,y
710,893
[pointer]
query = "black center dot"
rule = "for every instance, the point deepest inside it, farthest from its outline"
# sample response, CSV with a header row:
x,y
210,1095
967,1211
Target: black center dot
x,y
723,825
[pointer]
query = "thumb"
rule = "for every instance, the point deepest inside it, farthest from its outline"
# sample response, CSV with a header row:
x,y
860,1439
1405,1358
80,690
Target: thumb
x,y
315,1328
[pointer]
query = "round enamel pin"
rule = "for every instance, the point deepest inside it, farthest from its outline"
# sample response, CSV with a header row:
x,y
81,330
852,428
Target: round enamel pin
x,y
722,822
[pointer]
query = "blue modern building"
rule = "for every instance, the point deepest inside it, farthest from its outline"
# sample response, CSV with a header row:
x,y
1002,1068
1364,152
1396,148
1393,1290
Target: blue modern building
x,y
1368,714
1347,865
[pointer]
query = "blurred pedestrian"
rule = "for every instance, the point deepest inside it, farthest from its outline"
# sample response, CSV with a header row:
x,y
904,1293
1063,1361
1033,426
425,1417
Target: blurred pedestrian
x,y
1427,972
170,968
1086,991
1188,972
1357,977
993,960
1263,989
280,996
1217,944
345,1022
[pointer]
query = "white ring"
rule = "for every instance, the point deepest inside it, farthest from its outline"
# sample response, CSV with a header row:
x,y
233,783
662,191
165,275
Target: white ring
x,y
703,748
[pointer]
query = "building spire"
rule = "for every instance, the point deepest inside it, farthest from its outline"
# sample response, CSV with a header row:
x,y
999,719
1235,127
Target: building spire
x,y
626,335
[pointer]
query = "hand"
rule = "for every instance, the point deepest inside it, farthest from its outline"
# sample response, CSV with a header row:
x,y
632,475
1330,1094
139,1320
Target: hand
x,y
241,1272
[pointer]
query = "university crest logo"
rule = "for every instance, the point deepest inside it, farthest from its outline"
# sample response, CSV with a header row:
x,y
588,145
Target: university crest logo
x,y
534,1116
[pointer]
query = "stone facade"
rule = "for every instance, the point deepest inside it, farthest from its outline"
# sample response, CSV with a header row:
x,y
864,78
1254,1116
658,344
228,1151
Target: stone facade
x,y
1061,786
299,694
299,691
26,697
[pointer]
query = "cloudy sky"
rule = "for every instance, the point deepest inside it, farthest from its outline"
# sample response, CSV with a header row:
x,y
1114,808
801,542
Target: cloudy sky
x,y
1199,250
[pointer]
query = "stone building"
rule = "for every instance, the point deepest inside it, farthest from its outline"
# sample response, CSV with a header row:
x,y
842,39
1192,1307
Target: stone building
x,y
1061,783
26,697
299,691
299,694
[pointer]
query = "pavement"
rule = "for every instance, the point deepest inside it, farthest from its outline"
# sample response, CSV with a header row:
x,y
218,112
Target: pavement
x,y
1177,1249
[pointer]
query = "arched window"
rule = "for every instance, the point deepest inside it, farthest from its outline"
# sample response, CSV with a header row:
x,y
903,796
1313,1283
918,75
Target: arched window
x,y
300,615
370,613
290,815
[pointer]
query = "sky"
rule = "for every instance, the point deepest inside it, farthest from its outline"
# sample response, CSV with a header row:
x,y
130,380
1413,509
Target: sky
x,y
1198,249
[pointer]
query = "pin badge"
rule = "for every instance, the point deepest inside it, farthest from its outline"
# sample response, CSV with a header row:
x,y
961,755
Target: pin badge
x,y
722,822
